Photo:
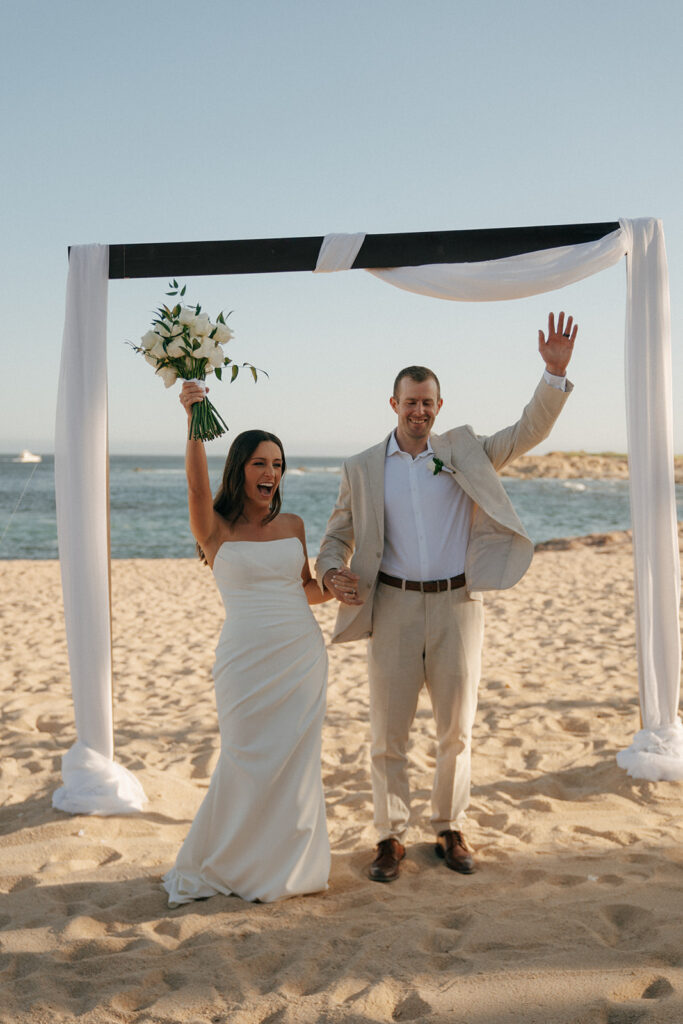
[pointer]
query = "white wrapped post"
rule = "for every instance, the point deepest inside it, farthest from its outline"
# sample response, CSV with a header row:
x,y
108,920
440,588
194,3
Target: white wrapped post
x,y
657,749
93,782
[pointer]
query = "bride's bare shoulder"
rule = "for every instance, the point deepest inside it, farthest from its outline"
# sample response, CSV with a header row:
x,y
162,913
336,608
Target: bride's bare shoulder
x,y
291,525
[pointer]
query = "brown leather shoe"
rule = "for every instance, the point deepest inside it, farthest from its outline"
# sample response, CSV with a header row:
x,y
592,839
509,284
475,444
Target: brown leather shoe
x,y
452,846
385,866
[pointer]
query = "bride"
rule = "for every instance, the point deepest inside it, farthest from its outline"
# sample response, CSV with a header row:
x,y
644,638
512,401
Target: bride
x,y
260,832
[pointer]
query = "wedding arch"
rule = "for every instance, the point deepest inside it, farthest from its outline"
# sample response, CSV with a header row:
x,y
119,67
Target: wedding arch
x,y
468,266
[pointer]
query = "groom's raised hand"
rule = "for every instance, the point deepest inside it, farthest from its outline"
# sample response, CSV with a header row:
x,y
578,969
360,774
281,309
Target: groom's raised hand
x,y
557,350
343,584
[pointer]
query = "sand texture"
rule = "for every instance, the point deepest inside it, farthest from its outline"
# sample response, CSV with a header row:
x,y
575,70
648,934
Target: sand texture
x,y
574,915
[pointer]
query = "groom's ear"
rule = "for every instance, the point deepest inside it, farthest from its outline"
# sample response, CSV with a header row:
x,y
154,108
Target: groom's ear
x,y
393,402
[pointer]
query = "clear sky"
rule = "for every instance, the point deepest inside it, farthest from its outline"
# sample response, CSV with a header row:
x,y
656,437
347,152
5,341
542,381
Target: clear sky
x,y
143,122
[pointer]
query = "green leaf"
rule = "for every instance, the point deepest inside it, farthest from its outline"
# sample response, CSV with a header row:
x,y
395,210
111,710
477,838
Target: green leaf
x,y
218,372
184,288
253,373
235,371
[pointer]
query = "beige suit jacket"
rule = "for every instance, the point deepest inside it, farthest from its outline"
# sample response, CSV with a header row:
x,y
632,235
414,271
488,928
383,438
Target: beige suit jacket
x,y
499,551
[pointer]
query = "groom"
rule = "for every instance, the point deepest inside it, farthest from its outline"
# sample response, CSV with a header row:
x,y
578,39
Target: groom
x,y
427,526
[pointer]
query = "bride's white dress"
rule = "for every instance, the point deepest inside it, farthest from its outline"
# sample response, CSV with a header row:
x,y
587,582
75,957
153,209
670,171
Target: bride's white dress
x,y
260,832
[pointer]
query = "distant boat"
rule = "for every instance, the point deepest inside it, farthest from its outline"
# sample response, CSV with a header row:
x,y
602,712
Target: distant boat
x,y
26,456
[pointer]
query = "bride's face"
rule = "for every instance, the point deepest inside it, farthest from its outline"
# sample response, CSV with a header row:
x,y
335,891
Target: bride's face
x,y
262,474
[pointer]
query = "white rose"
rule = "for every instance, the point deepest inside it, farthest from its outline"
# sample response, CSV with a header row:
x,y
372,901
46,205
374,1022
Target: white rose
x,y
186,316
201,325
205,349
152,360
168,375
165,329
149,340
217,357
175,348
159,351
222,334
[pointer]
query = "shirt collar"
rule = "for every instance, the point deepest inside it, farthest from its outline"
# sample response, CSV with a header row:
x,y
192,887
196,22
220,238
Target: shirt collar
x,y
393,448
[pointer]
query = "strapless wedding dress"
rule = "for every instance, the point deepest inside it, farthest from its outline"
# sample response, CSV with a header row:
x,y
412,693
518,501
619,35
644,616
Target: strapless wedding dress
x,y
260,832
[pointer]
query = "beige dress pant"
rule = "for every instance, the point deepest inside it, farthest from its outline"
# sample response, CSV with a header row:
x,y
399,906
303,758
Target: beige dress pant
x,y
433,640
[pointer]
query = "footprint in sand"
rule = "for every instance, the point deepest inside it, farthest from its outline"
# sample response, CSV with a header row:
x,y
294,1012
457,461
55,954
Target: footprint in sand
x,y
531,876
536,804
630,1012
567,881
386,1000
630,925
147,988
578,726
410,1008
273,1018
660,988
170,928
494,821
618,838
447,936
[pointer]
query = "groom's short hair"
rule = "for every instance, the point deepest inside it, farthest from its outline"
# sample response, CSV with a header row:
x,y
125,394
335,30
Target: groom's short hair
x,y
419,374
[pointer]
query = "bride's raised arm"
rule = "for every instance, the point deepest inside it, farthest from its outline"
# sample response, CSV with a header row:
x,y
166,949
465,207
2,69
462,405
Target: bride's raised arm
x,y
199,497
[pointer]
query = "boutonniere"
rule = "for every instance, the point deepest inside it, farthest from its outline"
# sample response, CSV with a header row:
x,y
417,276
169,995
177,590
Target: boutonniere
x,y
436,465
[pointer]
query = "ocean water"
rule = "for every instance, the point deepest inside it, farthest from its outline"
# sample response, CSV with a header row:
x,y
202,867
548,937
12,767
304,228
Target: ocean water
x,y
149,505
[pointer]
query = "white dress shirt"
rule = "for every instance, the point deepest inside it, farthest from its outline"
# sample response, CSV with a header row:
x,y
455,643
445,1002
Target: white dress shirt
x,y
426,517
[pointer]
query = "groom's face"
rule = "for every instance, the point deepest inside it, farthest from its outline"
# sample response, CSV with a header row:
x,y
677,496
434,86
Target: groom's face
x,y
416,404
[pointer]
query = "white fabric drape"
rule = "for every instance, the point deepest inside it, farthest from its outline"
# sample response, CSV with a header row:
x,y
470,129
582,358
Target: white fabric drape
x,y
515,277
338,252
657,750
93,782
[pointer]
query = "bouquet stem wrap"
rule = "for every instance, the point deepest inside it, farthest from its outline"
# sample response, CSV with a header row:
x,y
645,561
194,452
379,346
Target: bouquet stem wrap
x,y
206,423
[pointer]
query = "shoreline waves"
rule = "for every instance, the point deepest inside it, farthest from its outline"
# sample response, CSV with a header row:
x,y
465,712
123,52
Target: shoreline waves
x,y
558,495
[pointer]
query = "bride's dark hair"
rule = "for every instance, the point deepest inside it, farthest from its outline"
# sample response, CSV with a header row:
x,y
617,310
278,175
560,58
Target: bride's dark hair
x,y
229,498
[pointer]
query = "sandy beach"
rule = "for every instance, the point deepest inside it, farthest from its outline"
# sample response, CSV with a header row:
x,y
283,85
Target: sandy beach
x,y
574,915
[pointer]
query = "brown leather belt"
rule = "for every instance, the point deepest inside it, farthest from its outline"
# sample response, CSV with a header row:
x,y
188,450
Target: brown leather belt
x,y
426,587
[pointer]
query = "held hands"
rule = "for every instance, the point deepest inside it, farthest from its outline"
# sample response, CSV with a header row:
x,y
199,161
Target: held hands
x,y
191,394
343,584
557,350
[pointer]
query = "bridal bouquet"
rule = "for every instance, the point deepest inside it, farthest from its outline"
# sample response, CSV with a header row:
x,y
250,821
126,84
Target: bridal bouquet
x,y
183,343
